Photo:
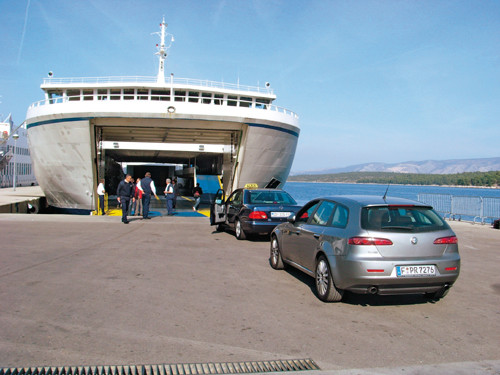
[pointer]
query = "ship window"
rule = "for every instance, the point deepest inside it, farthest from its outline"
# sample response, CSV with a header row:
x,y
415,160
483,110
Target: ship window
x,y
73,95
115,94
218,99
102,94
142,94
207,97
180,96
88,95
261,103
162,95
245,102
128,94
193,96
55,97
232,100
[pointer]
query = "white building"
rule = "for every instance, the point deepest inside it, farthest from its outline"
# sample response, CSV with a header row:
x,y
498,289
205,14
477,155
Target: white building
x,y
16,152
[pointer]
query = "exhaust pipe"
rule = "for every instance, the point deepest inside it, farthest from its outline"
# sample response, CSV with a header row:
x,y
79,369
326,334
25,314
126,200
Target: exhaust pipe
x,y
373,290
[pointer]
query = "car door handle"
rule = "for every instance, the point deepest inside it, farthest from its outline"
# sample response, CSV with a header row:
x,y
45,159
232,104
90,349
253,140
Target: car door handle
x,y
316,235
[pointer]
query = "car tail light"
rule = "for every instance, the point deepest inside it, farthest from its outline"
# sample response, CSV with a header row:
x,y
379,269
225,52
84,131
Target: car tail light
x,y
446,240
369,241
257,215
450,268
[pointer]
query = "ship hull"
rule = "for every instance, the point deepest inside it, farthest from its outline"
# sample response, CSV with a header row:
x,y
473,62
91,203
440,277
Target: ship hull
x,y
63,142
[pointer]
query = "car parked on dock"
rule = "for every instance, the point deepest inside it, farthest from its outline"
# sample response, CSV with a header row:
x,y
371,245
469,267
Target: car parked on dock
x,y
369,244
251,211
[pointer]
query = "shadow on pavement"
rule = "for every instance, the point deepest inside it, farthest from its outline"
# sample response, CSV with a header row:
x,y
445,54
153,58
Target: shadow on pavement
x,y
363,299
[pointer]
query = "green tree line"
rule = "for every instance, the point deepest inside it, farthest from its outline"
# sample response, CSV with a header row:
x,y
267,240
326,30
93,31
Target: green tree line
x,y
487,179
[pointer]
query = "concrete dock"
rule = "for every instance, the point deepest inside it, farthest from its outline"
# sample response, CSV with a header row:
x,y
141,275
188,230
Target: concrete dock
x,y
17,200
88,291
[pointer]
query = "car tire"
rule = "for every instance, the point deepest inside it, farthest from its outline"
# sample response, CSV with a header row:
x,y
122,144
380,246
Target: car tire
x,y
238,230
275,255
325,287
219,227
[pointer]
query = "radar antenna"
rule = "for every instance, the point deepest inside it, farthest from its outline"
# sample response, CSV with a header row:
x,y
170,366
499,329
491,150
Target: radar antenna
x,y
162,50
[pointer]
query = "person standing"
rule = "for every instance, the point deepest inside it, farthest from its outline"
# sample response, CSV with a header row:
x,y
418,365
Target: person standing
x,y
125,193
138,198
169,195
197,192
176,191
100,194
132,206
148,187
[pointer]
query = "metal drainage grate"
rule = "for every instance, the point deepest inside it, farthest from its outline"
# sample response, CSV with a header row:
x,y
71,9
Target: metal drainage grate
x,y
171,369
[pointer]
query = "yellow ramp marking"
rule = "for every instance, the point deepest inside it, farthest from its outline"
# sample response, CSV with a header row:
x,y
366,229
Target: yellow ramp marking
x,y
114,212
205,211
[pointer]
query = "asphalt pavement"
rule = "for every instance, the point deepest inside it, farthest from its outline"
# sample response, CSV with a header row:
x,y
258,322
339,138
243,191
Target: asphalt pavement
x,y
88,290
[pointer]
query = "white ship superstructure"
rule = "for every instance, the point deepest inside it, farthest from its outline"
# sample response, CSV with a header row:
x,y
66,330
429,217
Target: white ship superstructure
x,y
15,161
206,127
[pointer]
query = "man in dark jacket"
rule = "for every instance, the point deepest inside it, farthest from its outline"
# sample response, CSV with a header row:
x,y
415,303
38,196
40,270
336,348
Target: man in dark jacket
x,y
125,193
148,187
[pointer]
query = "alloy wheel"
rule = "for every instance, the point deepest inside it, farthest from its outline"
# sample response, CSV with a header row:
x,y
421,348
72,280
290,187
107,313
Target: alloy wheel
x,y
274,251
322,279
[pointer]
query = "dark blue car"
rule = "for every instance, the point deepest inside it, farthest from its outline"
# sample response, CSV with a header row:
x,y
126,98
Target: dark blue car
x,y
249,211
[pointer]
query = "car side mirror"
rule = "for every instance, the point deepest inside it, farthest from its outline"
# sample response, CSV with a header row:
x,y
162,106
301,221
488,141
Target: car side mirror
x,y
291,218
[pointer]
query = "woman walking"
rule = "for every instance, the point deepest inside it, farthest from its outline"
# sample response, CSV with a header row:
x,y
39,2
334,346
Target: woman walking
x,y
197,192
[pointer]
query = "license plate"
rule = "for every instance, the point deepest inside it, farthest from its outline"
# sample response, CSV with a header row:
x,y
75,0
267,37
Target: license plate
x,y
410,271
280,214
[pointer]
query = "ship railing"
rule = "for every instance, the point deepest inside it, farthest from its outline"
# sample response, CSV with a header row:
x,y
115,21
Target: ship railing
x,y
228,102
151,80
468,208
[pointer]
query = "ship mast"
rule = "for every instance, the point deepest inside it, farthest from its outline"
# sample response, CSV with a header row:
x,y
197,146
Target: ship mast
x,y
162,50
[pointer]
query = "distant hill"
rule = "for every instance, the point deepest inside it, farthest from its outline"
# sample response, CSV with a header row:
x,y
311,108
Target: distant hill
x,y
489,179
419,167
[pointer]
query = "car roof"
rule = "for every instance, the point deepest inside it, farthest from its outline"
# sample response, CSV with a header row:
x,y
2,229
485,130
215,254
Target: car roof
x,y
373,200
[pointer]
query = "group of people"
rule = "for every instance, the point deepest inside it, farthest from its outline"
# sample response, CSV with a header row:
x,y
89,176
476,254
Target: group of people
x,y
137,196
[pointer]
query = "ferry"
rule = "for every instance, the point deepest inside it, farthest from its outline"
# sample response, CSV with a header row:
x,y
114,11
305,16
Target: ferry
x,y
87,129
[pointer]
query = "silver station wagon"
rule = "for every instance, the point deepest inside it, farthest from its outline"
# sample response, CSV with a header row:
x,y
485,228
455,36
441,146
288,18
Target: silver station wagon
x,y
369,244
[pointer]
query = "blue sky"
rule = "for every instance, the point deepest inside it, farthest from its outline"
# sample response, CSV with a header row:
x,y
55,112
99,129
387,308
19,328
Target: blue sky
x,y
372,81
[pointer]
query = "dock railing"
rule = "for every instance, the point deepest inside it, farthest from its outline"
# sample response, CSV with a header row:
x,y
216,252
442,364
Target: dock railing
x,y
468,208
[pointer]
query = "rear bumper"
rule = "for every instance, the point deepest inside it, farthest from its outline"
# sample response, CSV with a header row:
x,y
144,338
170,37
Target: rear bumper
x,y
399,289
354,275
262,227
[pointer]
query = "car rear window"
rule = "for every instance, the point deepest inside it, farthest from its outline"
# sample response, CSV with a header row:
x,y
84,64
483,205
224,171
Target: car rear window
x,y
270,197
407,218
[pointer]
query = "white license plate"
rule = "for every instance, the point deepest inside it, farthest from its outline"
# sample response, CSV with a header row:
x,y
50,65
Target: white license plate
x,y
420,270
280,214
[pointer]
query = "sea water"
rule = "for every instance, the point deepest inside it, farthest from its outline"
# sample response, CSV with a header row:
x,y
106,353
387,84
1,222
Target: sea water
x,y
305,191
